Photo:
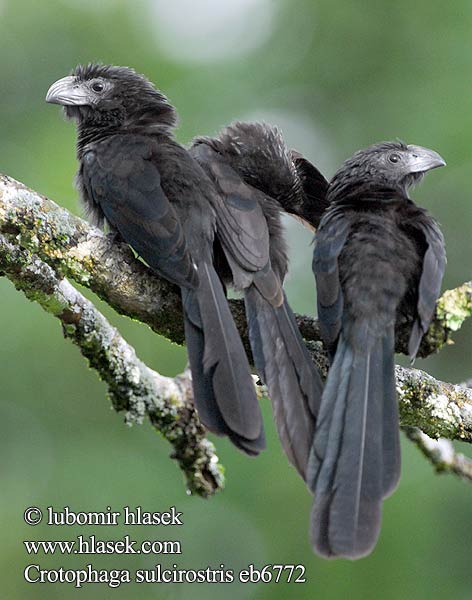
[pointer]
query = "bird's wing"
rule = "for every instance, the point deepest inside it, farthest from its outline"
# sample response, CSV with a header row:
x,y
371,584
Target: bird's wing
x,y
312,202
241,226
434,264
329,242
120,176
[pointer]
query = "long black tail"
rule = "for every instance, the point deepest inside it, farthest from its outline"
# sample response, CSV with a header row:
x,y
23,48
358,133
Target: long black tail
x,y
224,391
355,460
285,366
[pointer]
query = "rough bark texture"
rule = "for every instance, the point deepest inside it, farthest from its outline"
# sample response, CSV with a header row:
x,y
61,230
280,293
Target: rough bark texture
x,y
41,244
441,454
439,409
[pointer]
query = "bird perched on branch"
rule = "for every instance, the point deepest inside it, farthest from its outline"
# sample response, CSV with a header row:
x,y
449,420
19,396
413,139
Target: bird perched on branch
x,y
379,260
249,228
134,176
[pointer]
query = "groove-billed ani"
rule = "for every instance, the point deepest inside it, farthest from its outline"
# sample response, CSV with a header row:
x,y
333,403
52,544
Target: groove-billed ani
x,y
378,259
259,154
137,178
280,355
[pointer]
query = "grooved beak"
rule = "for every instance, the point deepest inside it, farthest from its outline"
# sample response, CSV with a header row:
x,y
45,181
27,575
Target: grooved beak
x,y
67,92
424,159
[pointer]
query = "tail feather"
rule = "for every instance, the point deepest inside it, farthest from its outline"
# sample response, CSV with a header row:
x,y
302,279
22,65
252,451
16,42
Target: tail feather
x,y
354,459
281,380
309,377
224,391
204,397
391,431
285,366
330,422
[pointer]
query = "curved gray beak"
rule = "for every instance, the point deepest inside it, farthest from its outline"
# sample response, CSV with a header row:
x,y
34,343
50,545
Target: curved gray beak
x,y
67,92
424,159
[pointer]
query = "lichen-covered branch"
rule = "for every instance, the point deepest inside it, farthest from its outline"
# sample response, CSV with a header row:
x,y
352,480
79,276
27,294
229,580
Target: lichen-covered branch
x,y
441,410
41,244
441,454
132,386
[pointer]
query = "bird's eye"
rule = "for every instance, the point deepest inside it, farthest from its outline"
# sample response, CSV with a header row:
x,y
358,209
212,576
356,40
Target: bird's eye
x,y
97,86
394,157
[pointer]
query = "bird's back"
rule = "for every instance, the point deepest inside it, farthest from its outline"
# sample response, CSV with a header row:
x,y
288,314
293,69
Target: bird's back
x,y
377,266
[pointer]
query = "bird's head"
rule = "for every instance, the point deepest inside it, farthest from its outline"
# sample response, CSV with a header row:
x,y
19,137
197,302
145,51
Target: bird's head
x,y
386,165
107,96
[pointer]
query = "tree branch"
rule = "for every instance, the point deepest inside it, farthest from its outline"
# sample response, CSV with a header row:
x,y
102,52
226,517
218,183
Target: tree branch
x,y
441,410
132,386
441,454
41,244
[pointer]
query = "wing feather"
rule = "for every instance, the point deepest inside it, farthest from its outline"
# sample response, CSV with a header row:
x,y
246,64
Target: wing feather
x,y
120,176
434,265
329,242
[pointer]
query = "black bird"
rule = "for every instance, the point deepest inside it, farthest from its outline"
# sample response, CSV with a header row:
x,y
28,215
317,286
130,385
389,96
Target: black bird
x,y
261,157
251,169
379,260
135,177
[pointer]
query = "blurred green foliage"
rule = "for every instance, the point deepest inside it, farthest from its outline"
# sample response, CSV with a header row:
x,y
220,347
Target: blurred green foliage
x,y
335,77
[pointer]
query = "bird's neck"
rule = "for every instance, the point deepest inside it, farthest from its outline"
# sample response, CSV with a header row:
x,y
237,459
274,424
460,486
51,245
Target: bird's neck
x,y
87,134
151,118
360,192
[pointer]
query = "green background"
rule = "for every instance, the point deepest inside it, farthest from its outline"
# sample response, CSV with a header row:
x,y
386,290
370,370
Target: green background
x,y
335,76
